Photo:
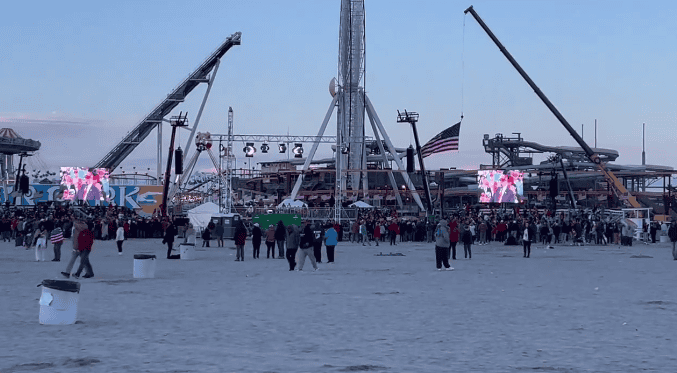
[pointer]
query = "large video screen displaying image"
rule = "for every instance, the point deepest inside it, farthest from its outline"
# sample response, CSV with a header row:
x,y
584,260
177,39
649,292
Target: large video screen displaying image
x,y
501,186
83,184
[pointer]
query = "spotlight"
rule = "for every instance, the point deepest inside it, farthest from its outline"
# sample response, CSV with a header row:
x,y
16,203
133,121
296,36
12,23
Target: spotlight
x,y
283,148
345,149
298,150
265,148
249,150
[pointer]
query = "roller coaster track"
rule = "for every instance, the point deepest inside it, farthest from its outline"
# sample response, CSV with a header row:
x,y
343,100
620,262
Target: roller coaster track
x,y
118,154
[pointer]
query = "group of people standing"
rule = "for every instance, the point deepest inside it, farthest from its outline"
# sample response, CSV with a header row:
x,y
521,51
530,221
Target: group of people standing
x,y
290,239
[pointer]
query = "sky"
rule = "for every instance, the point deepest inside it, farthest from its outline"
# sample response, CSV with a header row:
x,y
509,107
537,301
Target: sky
x,y
78,75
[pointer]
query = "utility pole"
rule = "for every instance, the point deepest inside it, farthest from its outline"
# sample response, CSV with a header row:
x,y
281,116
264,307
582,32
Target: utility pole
x,y
643,153
179,121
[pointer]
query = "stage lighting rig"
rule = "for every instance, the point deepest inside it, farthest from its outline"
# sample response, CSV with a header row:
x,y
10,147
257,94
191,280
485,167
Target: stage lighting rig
x,y
298,150
282,148
265,148
249,150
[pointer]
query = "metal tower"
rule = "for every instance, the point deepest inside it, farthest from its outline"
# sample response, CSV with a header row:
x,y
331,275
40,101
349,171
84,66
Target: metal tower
x,y
350,111
228,154
352,102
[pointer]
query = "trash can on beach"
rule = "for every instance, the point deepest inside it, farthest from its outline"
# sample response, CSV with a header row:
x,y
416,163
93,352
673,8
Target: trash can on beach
x,y
144,265
59,302
187,251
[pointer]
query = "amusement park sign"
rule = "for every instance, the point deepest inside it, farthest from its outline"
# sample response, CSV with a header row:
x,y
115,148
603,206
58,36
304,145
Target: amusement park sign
x,y
145,198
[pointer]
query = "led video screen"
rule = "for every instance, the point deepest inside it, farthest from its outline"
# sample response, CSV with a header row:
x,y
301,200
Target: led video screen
x,y
501,186
83,184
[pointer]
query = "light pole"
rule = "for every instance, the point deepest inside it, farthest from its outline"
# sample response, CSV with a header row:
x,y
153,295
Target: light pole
x,y
412,118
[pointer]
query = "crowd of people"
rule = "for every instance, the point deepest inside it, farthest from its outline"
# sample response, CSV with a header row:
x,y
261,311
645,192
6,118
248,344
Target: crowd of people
x,y
38,227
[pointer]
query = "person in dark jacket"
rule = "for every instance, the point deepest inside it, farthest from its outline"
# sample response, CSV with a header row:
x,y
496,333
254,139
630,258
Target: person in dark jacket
x,y
466,237
170,233
256,240
307,241
317,242
206,236
672,233
528,235
280,237
240,238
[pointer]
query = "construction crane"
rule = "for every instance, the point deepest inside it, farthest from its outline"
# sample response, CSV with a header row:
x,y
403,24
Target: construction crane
x,y
201,75
616,185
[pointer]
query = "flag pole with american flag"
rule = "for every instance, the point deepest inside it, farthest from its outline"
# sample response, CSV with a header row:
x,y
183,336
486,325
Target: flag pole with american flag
x,y
444,141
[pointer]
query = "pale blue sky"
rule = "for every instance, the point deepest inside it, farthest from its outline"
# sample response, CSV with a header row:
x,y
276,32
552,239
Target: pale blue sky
x,y
83,72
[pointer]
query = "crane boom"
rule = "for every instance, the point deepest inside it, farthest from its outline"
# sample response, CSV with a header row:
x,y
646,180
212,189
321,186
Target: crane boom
x,y
616,185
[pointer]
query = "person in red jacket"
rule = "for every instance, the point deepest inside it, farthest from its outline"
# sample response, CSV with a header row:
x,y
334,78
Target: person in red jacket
x,y
85,243
394,230
454,231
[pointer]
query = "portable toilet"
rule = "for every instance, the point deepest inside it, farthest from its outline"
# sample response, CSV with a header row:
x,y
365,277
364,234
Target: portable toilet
x,y
229,222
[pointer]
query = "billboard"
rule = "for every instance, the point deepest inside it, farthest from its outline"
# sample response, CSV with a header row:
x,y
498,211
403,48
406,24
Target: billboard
x,y
145,199
85,184
501,186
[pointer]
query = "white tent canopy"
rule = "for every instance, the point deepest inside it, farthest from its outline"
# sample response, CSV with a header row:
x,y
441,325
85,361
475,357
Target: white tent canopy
x,y
201,215
361,205
292,203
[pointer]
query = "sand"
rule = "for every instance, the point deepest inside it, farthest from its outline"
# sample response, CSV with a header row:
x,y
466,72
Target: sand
x,y
570,309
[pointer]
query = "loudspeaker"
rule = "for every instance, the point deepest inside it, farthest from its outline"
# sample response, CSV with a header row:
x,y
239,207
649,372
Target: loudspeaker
x,y
24,184
178,161
410,159
554,187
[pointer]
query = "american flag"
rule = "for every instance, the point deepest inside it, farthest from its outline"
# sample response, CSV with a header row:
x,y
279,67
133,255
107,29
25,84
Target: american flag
x,y
445,141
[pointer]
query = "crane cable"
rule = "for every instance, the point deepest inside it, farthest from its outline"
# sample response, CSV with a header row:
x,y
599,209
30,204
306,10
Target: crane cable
x,y
462,65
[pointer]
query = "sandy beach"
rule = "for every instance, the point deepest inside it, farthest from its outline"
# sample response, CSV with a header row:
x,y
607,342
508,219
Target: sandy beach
x,y
568,309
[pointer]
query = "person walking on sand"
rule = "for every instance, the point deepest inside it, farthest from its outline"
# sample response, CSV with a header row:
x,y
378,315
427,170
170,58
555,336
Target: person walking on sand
x,y
293,241
270,241
307,248
330,241
528,236
442,245
240,239
672,233
256,240
280,237
170,233
318,234
40,243
85,243
364,235
466,237
377,232
206,236
78,226
57,240
218,234
120,237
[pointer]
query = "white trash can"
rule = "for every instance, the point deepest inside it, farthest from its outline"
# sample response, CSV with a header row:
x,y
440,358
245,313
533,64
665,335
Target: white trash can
x,y
59,302
144,265
187,251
